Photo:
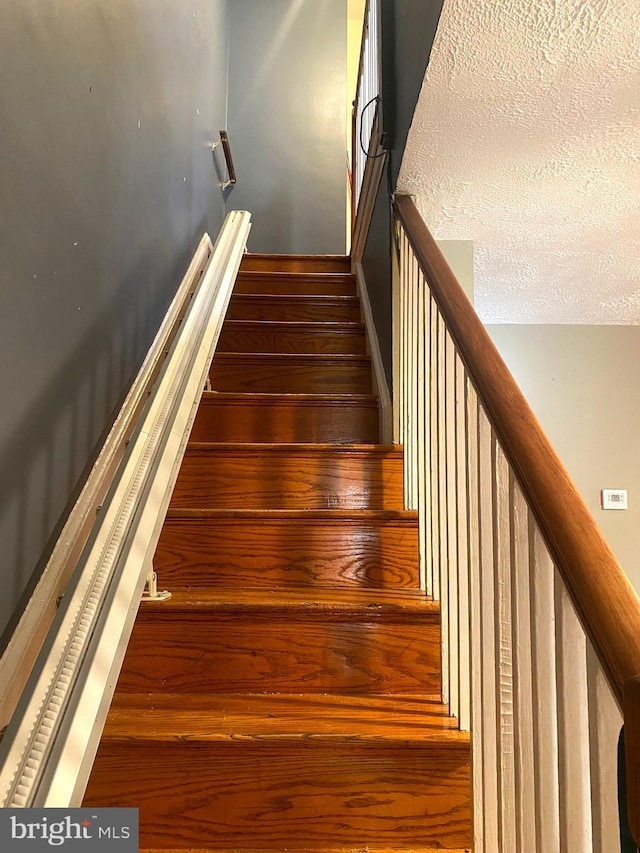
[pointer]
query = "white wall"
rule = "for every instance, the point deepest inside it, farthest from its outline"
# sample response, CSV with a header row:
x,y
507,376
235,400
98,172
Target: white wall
x,y
583,384
459,256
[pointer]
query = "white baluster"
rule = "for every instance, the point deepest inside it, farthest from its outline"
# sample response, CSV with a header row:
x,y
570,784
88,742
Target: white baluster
x,y
522,666
433,440
488,723
605,722
573,727
462,488
504,662
443,564
452,524
545,713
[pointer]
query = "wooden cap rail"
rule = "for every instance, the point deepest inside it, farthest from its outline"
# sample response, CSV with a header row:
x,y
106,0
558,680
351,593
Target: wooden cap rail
x,y
605,600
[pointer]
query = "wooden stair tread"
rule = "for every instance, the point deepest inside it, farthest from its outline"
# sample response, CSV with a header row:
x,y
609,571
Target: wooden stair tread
x,y
250,336
393,720
290,372
366,549
293,358
284,298
261,306
305,449
321,283
241,415
295,275
302,476
315,326
383,516
301,398
361,848
302,603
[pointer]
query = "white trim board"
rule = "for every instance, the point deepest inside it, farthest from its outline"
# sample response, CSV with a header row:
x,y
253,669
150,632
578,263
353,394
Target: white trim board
x,y
381,388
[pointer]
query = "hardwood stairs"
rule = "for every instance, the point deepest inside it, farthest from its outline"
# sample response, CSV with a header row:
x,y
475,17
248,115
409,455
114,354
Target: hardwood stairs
x,y
287,695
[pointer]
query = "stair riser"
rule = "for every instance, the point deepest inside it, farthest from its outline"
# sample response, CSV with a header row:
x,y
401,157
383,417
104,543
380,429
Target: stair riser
x,y
273,480
213,653
293,284
258,336
241,374
267,553
274,797
295,309
296,263
248,420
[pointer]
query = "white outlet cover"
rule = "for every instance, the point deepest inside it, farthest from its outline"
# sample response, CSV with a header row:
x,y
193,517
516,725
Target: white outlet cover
x,y
614,499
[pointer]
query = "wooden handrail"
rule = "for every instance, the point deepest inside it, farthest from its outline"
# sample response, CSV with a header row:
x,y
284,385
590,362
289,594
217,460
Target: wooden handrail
x,y
605,600
226,147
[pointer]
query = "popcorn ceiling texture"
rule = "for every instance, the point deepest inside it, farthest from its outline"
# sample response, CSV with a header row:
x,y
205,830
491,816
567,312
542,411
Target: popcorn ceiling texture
x,y
526,140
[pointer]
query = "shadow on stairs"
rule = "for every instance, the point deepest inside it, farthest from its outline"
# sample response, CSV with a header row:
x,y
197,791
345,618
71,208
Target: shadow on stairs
x,y
287,695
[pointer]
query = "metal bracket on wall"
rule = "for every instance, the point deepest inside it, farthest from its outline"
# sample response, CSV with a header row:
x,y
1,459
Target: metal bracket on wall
x,y
226,147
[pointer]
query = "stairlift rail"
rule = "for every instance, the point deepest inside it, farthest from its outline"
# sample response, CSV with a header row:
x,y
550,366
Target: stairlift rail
x,y
48,748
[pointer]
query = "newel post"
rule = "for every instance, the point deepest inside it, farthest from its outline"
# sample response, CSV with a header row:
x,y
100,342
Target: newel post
x,y
631,710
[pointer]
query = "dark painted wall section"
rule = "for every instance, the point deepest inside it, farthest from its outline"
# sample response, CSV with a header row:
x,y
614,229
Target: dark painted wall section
x,y
106,185
287,105
408,31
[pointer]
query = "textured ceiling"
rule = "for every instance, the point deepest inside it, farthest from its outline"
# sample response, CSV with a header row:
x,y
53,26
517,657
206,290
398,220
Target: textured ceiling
x,y
526,140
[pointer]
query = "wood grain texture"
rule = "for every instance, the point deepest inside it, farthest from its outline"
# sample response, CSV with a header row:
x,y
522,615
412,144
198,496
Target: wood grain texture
x,y
272,476
325,603
296,263
266,549
320,338
287,695
208,718
291,373
317,309
324,848
607,604
298,793
204,651
308,284
341,419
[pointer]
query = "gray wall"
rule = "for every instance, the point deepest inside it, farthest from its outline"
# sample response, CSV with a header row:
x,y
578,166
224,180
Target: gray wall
x,y
287,106
582,383
408,31
106,185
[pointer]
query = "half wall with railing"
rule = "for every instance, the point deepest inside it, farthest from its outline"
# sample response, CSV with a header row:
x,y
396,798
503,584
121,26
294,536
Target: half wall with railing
x,y
540,625
368,155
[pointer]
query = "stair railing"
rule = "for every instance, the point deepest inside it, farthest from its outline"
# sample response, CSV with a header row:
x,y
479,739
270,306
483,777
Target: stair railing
x,y
368,155
540,625
49,746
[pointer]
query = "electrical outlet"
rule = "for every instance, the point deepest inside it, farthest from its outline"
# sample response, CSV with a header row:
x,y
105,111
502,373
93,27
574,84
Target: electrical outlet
x,y
614,499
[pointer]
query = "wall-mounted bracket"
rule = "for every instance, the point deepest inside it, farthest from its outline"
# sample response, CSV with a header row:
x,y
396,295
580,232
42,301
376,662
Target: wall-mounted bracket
x,y
151,590
226,147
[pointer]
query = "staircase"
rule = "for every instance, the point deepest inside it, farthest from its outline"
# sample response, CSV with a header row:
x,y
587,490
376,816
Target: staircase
x,y
287,695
